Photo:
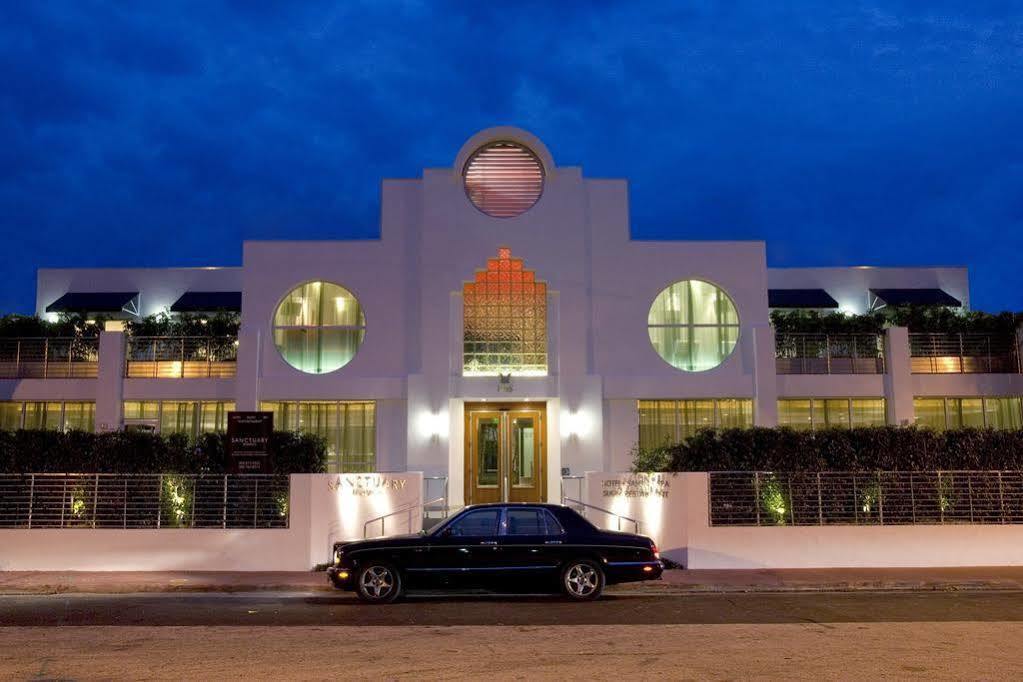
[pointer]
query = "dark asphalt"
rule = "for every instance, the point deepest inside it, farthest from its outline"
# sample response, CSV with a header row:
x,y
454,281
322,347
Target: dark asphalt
x,y
294,609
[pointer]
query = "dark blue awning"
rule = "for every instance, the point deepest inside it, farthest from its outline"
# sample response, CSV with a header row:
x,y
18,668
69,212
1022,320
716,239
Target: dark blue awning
x,y
96,302
800,298
208,301
915,297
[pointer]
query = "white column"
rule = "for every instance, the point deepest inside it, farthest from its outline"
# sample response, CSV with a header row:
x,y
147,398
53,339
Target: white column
x,y
898,378
765,377
110,381
248,369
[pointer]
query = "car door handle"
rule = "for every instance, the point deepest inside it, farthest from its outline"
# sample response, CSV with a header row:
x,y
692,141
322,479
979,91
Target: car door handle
x,y
552,542
489,542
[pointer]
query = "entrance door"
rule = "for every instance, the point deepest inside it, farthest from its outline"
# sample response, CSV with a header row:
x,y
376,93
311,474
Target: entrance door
x,y
505,453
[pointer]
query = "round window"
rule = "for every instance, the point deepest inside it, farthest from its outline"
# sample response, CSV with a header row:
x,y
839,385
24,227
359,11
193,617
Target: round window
x,y
503,179
318,327
693,325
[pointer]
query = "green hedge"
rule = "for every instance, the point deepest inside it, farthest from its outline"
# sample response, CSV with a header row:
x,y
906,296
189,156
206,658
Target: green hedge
x,y
922,319
133,452
883,448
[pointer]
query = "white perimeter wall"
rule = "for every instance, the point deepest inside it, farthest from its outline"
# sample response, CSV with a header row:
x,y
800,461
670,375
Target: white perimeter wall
x,y
673,509
324,508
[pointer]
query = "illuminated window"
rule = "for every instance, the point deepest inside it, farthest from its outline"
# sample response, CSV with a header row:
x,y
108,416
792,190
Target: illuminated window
x,y
70,416
693,325
505,320
954,413
503,179
665,422
804,414
318,327
349,427
190,417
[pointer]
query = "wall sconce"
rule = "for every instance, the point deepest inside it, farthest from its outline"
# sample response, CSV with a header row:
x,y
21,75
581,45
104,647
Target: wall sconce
x,y
575,424
433,425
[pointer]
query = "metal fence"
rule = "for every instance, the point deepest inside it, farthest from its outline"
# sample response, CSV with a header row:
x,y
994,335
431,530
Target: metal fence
x,y
177,357
829,353
49,358
143,501
964,354
862,498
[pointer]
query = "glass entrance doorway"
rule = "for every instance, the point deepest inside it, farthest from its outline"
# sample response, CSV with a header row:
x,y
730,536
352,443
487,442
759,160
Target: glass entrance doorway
x,y
505,453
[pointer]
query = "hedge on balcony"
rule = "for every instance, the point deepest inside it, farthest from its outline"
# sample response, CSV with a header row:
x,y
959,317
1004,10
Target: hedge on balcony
x,y
185,324
128,452
20,326
919,319
883,448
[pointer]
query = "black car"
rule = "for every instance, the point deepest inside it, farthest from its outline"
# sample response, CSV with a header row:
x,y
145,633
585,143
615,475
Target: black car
x,y
502,547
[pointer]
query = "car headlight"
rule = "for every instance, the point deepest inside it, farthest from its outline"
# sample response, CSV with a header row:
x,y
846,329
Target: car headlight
x,y
337,557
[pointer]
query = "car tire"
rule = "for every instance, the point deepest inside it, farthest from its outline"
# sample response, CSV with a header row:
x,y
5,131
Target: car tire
x,y
378,582
582,580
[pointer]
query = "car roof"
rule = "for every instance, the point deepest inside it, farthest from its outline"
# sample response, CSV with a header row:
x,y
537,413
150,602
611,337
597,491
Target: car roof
x,y
484,505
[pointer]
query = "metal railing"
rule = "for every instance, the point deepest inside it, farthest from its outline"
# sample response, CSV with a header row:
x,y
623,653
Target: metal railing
x,y
151,501
574,481
407,511
583,507
435,488
829,353
964,354
884,498
181,357
49,358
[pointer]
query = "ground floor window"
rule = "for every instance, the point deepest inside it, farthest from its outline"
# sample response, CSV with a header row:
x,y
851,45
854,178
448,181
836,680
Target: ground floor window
x,y
662,422
820,413
349,427
953,413
50,416
190,417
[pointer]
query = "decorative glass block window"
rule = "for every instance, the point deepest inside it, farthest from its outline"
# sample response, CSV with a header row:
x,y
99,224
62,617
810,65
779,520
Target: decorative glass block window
x,y
665,422
693,325
349,427
805,414
955,413
318,327
503,179
504,320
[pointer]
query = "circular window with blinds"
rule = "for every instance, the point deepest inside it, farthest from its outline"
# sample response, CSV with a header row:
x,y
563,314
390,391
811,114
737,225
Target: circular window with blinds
x,y
503,179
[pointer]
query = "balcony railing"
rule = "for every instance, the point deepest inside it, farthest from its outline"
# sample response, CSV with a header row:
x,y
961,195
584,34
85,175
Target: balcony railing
x,y
829,353
49,358
181,357
143,501
964,354
764,498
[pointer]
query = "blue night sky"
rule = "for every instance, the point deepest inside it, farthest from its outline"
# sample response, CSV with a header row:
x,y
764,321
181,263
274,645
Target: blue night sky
x,y
842,133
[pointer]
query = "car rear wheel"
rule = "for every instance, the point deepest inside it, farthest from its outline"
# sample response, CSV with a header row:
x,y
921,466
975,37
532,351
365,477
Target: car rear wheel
x,y
582,580
378,583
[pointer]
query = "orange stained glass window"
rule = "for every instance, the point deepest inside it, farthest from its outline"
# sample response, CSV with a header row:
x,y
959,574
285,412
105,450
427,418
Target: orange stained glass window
x,y
504,320
503,179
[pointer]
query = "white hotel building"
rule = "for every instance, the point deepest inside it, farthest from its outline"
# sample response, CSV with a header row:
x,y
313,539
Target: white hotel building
x,y
503,331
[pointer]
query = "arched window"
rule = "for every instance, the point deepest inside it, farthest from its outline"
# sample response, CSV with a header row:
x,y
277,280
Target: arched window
x,y
693,325
504,320
318,327
503,179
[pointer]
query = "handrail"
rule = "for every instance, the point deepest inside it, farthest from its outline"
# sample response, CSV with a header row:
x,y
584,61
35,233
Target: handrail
x,y
407,509
605,511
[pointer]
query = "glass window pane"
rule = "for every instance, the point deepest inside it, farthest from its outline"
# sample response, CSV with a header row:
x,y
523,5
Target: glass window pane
x,y
318,327
868,412
836,413
693,325
954,412
972,412
79,416
794,414
1003,413
525,522
10,416
481,523
735,414
178,417
930,412
488,450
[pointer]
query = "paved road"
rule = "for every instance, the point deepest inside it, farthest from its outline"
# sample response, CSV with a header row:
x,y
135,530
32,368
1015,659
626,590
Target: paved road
x,y
324,609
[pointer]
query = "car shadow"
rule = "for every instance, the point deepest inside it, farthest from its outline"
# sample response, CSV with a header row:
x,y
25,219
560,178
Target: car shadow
x,y
453,597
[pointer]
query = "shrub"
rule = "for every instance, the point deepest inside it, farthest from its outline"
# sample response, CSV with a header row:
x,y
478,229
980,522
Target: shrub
x,y
882,448
136,452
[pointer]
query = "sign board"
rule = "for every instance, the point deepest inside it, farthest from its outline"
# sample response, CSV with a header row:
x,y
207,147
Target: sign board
x,y
248,442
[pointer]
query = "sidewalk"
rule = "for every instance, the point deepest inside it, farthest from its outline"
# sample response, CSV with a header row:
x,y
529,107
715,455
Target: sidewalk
x,y
674,581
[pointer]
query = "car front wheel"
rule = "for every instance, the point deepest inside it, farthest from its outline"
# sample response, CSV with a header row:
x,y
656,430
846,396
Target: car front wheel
x,y
582,580
378,583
